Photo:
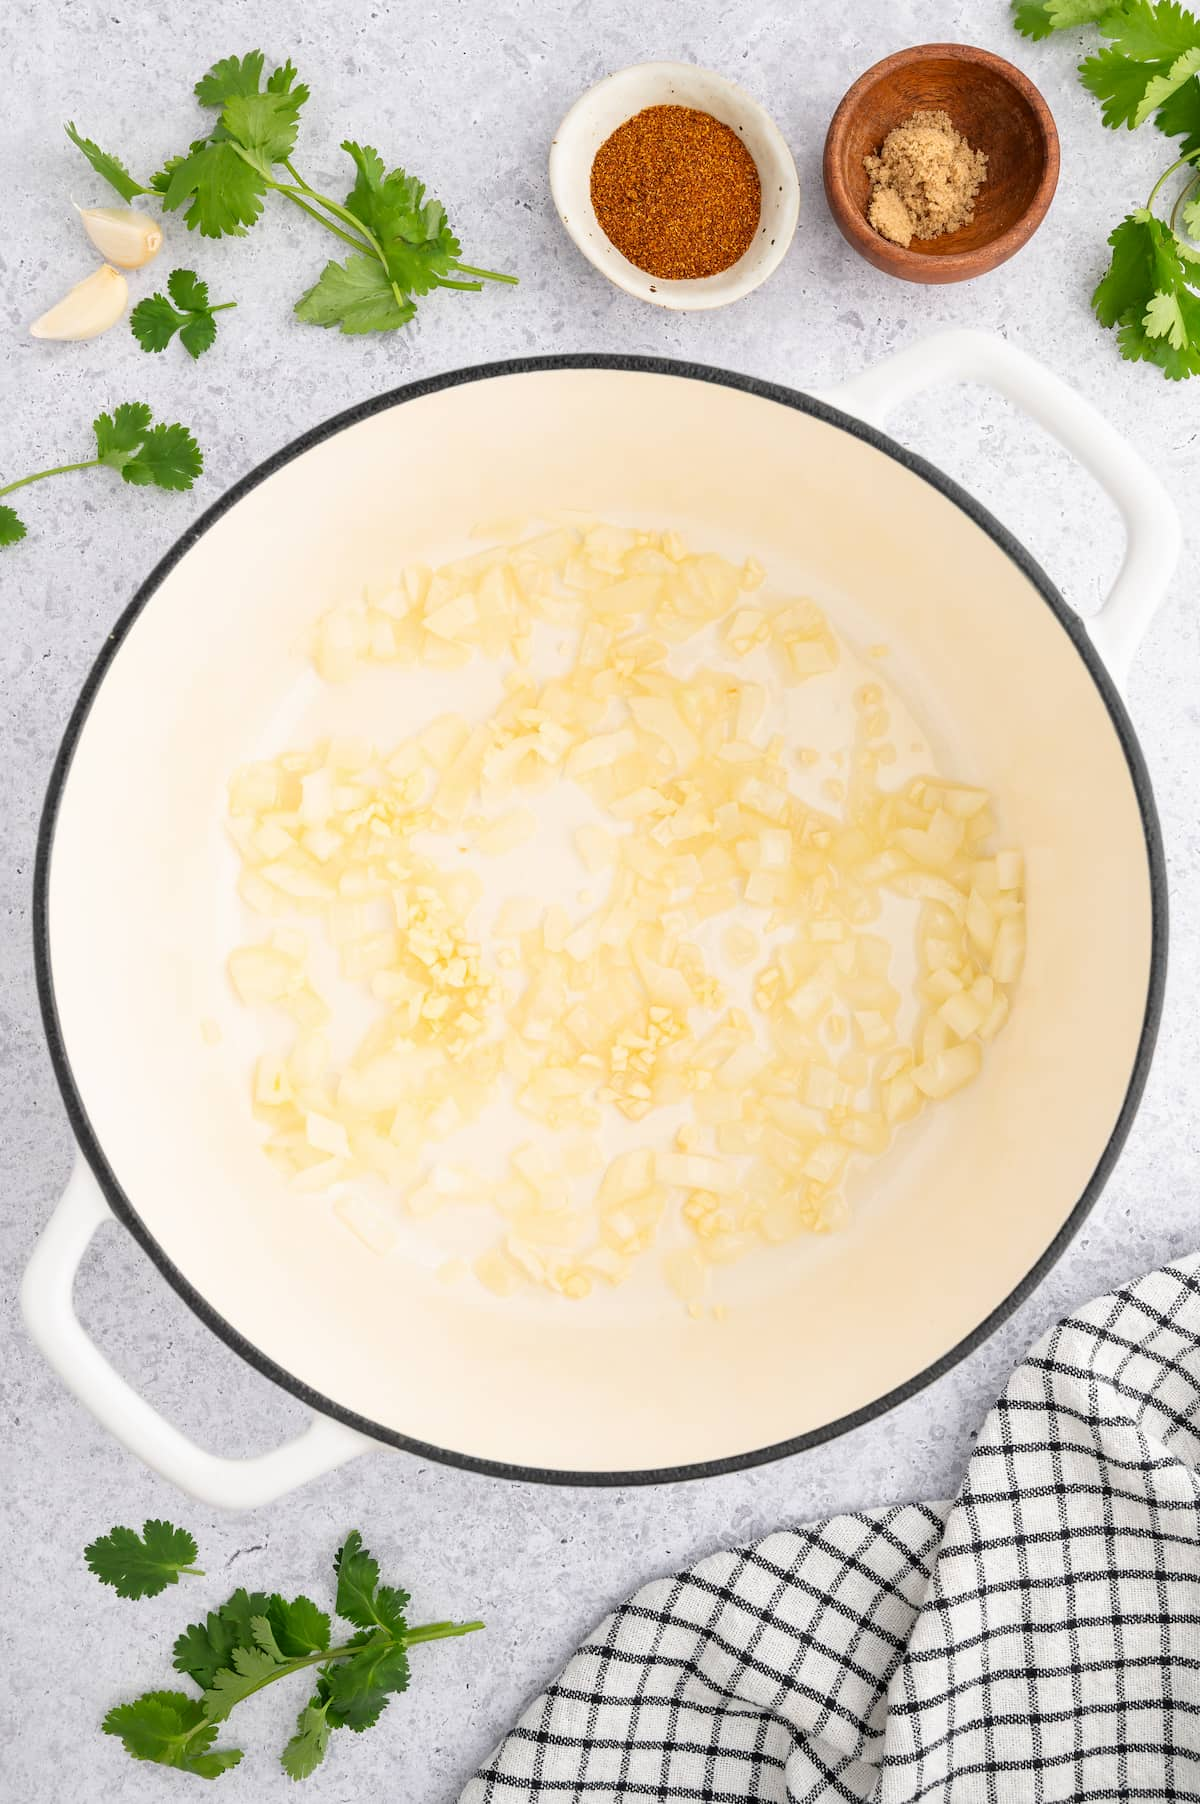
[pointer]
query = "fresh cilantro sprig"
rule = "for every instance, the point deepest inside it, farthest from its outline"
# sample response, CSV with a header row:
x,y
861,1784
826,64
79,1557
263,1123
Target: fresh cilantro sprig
x,y
255,1639
163,457
400,240
143,1565
1151,294
1149,68
155,321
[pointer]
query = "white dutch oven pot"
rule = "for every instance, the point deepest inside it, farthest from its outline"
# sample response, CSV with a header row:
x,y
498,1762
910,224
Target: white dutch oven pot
x,y
975,1201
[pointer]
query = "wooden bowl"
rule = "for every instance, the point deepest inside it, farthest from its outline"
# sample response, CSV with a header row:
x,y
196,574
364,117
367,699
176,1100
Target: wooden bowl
x,y
996,108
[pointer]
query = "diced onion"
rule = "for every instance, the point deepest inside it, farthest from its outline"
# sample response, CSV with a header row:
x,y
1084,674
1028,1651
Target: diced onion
x,y
948,1071
782,1069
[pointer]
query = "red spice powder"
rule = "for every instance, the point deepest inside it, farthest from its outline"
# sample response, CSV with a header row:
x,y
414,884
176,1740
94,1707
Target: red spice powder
x,y
677,192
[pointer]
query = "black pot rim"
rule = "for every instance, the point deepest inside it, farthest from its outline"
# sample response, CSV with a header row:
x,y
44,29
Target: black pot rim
x,y
1070,623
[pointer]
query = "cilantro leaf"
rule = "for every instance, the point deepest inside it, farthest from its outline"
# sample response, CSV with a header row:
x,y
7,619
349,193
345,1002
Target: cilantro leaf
x,y
257,1660
264,1638
166,456
357,296
306,1750
1168,334
154,321
283,81
357,1711
364,198
160,181
109,167
1191,216
199,334
224,192
170,1728
250,1668
299,1627
1164,318
1119,84
421,249
205,1647
1154,50
231,76
365,1680
1145,257
1038,18
242,1611
119,434
187,290
12,527
357,1582
1151,30
1179,115
1148,293
169,458
163,455
391,1604
1166,84
1131,271
360,1597
265,124
141,1565
413,232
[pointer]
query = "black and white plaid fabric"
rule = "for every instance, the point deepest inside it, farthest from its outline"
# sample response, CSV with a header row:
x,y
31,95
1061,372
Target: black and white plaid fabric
x,y
1038,1639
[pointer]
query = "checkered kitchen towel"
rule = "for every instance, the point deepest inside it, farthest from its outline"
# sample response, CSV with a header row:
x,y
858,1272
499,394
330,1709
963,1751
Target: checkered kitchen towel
x,y
1037,1639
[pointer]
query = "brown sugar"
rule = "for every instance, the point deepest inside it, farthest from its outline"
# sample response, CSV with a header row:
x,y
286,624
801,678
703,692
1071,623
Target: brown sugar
x,y
924,179
677,192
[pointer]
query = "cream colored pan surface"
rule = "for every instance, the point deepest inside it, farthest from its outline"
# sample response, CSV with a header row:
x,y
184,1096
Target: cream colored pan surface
x,y
207,676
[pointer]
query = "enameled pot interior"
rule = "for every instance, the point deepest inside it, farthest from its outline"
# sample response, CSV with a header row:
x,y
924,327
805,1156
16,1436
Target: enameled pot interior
x,y
211,672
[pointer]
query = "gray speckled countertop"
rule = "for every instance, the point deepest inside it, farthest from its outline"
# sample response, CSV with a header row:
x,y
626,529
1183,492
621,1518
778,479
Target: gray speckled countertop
x,y
469,96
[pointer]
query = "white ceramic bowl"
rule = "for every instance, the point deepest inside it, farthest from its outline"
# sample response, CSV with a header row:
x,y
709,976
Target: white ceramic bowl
x,y
618,97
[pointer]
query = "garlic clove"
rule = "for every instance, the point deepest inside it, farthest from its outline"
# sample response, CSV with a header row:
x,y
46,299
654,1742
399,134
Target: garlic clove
x,y
90,308
122,235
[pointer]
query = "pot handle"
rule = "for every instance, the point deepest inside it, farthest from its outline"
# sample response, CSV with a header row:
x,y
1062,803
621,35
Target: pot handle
x,y
1152,532
49,1311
